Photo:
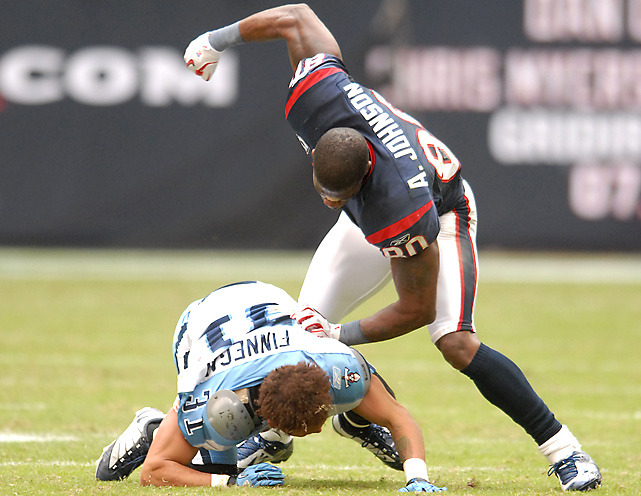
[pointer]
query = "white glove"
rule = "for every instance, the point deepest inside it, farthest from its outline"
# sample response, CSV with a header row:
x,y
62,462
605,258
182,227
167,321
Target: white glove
x,y
314,323
201,58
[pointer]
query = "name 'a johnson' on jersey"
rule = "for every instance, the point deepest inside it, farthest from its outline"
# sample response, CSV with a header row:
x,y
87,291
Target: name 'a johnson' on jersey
x,y
414,177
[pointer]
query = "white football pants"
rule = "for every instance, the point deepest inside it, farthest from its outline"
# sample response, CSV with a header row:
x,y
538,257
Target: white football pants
x,y
346,270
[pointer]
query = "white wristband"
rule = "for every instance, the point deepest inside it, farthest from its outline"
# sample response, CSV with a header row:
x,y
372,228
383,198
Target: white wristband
x,y
415,467
218,480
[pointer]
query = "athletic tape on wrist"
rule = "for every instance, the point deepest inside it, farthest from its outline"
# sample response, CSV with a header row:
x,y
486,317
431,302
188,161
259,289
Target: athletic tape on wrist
x,y
352,334
226,37
219,480
415,468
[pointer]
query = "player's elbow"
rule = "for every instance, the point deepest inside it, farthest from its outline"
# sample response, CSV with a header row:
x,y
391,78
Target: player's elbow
x,y
423,315
152,473
417,319
425,318
294,17
430,315
300,10
428,307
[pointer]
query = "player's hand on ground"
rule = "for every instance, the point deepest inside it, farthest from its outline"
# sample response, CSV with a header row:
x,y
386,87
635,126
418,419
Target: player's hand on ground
x,y
418,485
314,323
201,58
262,474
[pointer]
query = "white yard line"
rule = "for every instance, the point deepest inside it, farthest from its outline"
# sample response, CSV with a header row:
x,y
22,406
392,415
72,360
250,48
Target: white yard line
x,y
512,267
560,268
14,437
51,463
12,407
149,265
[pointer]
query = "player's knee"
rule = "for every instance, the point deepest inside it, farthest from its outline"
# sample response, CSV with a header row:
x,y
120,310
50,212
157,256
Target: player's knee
x,y
458,348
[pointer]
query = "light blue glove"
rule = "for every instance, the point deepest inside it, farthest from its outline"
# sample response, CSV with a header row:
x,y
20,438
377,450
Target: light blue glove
x,y
418,485
262,474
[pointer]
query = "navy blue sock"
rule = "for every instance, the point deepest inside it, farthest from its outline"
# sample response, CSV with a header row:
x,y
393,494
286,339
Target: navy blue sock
x,y
503,384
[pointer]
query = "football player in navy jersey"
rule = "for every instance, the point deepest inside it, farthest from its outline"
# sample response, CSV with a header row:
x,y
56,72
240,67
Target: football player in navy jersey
x,y
406,213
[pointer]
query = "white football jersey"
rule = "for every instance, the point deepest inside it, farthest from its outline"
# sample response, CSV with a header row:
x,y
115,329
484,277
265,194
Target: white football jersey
x,y
235,336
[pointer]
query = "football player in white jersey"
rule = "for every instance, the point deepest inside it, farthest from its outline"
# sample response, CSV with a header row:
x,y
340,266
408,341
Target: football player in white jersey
x,y
244,365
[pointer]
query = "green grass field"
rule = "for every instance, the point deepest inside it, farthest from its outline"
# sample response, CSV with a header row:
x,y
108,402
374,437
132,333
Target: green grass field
x,y
86,341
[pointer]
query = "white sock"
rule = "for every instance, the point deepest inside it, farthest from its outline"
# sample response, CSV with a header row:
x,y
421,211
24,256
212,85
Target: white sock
x,y
276,435
560,446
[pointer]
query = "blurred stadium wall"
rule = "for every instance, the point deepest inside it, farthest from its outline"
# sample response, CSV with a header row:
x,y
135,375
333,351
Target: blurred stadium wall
x,y
107,141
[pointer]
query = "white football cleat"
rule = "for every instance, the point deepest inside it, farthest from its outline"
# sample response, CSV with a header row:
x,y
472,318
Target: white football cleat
x,y
577,472
129,450
373,438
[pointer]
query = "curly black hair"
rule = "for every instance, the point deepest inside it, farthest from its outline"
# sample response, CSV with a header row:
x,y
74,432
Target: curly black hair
x,y
293,397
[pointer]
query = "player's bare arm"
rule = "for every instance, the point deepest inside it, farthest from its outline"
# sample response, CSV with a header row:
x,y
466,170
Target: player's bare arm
x,y
168,457
415,280
380,407
297,24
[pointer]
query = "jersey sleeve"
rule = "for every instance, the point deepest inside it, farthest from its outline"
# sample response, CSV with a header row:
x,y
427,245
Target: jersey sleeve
x,y
309,91
309,72
409,235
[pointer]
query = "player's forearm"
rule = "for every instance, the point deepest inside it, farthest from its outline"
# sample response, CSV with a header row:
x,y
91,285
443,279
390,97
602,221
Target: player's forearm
x,y
297,24
393,321
385,324
271,24
170,473
411,448
408,439
415,279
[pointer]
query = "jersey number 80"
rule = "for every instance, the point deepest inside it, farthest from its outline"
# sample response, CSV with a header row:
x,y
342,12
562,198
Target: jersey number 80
x,y
438,155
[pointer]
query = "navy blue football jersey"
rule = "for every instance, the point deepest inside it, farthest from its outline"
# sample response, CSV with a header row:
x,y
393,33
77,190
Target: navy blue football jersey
x,y
414,176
